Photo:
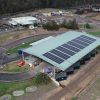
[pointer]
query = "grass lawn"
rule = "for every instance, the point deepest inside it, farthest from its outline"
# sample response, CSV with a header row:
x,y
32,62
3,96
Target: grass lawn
x,y
15,50
95,33
12,67
10,87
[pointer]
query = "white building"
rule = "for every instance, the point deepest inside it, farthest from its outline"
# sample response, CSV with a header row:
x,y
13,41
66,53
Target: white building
x,y
24,21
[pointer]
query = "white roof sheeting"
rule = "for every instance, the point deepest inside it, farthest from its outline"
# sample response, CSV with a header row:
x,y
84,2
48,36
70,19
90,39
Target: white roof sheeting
x,y
28,20
12,22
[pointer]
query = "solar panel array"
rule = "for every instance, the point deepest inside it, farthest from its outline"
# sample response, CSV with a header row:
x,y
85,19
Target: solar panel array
x,y
68,49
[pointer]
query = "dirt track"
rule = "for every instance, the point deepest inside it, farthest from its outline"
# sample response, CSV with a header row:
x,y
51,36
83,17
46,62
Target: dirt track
x,y
80,81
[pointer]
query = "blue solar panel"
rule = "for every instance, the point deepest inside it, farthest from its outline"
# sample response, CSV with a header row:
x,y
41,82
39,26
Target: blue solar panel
x,y
89,38
85,40
65,50
76,45
60,54
68,49
53,58
80,42
71,47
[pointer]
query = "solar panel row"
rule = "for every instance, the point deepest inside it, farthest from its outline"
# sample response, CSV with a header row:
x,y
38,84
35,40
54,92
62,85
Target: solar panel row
x,y
80,42
88,38
65,50
69,49
53,57
76,44
85,40
60,54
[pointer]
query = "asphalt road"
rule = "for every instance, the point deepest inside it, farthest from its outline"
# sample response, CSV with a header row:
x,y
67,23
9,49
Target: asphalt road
x,y
8,58
27,39
12,77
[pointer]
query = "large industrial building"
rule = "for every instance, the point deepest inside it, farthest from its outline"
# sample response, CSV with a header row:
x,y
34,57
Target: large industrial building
x,y
63,53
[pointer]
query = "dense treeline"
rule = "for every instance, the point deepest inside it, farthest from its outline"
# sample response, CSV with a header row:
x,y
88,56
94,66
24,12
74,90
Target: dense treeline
x,y
12,6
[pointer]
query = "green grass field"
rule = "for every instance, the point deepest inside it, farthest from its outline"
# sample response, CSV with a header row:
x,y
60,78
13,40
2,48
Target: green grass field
x,y
95,33
12,67
15,50
10,87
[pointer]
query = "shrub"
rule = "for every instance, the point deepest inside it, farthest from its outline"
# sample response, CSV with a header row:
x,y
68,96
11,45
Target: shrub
x,y
54,26
70,25
73,24
41,79
51,25
64,24
88,26
74,98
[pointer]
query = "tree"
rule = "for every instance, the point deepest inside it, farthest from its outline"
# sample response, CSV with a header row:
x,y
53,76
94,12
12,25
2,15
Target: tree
x,y
41,79
64,24
88,26
70,25
13,6
52,25
74,98
75,24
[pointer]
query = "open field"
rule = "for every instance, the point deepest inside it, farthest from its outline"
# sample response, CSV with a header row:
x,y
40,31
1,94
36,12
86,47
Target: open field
x,y
79,81
97,17
92,92
12,36
42,90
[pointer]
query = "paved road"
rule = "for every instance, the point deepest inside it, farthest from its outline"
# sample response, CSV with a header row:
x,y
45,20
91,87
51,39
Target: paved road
x,y
12,77
80,82
28,39
8,58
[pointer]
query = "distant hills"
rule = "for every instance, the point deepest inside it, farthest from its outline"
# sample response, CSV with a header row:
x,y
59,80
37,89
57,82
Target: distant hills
x,y
12,6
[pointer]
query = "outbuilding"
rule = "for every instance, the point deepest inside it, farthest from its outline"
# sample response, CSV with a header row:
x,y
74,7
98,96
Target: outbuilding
x,y
24,21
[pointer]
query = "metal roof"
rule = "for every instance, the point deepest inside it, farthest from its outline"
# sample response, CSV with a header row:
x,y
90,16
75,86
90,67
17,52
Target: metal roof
x,y
42,40
45,46
27,20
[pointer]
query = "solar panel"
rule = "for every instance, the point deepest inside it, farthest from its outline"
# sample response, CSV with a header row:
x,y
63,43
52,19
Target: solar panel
x,y
53,58
80,42
76,45
65,50
71,47
85,40
68,49
89,38
60,54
